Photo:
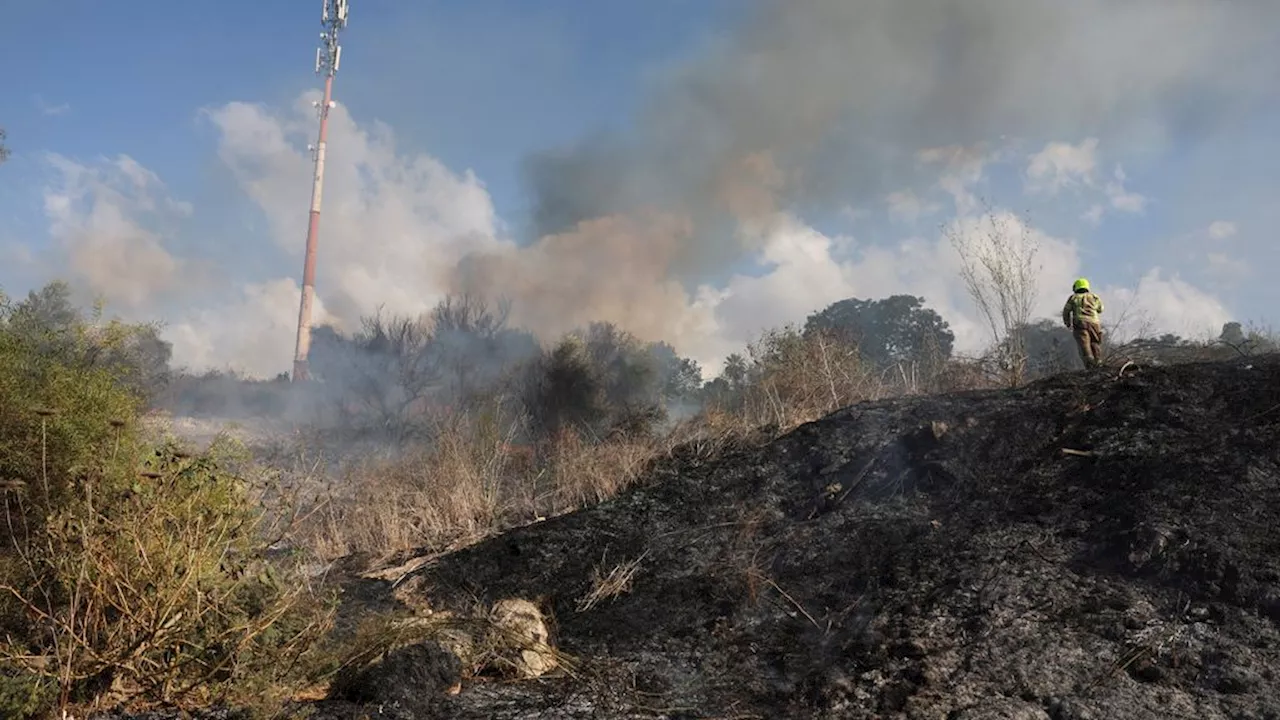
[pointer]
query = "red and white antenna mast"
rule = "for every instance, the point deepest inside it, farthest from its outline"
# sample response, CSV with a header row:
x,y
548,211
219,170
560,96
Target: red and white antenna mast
x,y
328,55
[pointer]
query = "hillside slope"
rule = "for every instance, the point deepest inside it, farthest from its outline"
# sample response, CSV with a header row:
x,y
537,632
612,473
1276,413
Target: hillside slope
x,y
1085,547
966,567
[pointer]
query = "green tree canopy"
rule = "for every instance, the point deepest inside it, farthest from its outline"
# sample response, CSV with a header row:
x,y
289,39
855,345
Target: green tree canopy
x,y
892,330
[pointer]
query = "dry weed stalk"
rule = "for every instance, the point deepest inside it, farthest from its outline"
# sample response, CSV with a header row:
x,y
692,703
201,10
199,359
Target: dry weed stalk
x,y
475,481
798,377
999,270
605,586
156,594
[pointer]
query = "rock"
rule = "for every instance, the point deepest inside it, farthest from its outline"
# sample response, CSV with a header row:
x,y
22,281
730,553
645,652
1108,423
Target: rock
x,y
407,678
520,639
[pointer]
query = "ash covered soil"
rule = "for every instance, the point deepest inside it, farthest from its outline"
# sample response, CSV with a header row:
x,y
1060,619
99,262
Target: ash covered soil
x,y
1085,547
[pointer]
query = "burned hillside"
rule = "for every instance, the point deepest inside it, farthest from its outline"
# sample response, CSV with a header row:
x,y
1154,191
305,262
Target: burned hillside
x,y
1088,546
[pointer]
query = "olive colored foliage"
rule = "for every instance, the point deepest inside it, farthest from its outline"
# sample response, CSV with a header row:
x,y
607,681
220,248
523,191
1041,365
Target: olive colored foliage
x,y
887,332
603,382
128,573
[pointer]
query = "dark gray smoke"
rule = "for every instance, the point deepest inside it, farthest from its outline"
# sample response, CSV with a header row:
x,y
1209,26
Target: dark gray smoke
x,y
817,105
834,98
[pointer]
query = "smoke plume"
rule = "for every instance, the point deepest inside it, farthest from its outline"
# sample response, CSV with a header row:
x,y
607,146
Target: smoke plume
x,y
814,105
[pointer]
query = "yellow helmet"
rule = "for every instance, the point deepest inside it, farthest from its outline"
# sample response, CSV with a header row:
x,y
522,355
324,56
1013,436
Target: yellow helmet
x,y
1080,284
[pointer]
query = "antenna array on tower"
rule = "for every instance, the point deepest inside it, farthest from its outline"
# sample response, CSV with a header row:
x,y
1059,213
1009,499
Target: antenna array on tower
x,y
333,16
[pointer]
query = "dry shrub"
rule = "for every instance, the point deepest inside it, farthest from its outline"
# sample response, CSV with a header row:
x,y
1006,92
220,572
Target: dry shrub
x,y
797,377
585,473
999,266
472,482
961,375
156,592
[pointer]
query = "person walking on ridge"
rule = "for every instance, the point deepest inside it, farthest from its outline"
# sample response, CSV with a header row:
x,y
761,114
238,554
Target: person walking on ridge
x,y
1082,314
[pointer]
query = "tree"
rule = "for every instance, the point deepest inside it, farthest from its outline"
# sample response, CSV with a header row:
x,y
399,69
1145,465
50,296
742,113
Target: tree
x,y
728,390
50,322
562,391
1232,334
601,380
629,377
680,377
472,346
373,378
1049,348
796,376
998,266
1242,342
384,378
893,330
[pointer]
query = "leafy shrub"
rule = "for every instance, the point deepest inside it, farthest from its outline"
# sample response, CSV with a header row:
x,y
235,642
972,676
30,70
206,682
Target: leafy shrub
x,y
127,573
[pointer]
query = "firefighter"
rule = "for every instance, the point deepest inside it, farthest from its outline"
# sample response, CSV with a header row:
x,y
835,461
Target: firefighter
x,y
1082,314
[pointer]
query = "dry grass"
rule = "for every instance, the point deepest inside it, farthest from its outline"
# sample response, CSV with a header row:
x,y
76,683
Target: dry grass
x,y
612,584
156,595
476,479
466,488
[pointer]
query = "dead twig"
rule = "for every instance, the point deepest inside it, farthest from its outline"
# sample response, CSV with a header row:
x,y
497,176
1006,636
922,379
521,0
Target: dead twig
x,y
1268,411
795,603
1078,453
857,480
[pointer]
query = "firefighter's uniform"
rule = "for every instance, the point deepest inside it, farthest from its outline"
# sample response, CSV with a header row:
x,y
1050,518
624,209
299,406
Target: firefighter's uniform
x,y
1083,314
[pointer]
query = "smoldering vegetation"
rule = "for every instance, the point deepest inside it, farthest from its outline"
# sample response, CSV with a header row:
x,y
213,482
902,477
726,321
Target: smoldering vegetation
x,y
395,379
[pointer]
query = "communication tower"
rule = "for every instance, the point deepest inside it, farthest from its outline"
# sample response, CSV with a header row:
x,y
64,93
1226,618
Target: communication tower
x,y
333,18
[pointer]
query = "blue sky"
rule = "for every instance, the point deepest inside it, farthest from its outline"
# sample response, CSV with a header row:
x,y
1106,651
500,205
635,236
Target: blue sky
x,y
479,84
810,121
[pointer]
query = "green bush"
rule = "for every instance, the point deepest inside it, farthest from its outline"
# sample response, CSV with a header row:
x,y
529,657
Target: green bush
x,y
128,573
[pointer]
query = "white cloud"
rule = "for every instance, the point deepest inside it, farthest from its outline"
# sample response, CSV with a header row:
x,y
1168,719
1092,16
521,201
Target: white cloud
x,y
1117,198
112,222
1060,164
392,228
51,110
805,276
962,168
853,214
907,206
1122,199
1222,229
1170,305
1227,268
396,226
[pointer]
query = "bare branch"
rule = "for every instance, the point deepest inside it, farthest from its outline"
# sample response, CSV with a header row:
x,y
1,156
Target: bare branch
x,y
998,266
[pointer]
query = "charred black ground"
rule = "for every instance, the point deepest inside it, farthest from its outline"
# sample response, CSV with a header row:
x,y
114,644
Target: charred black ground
x,y
1085,547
